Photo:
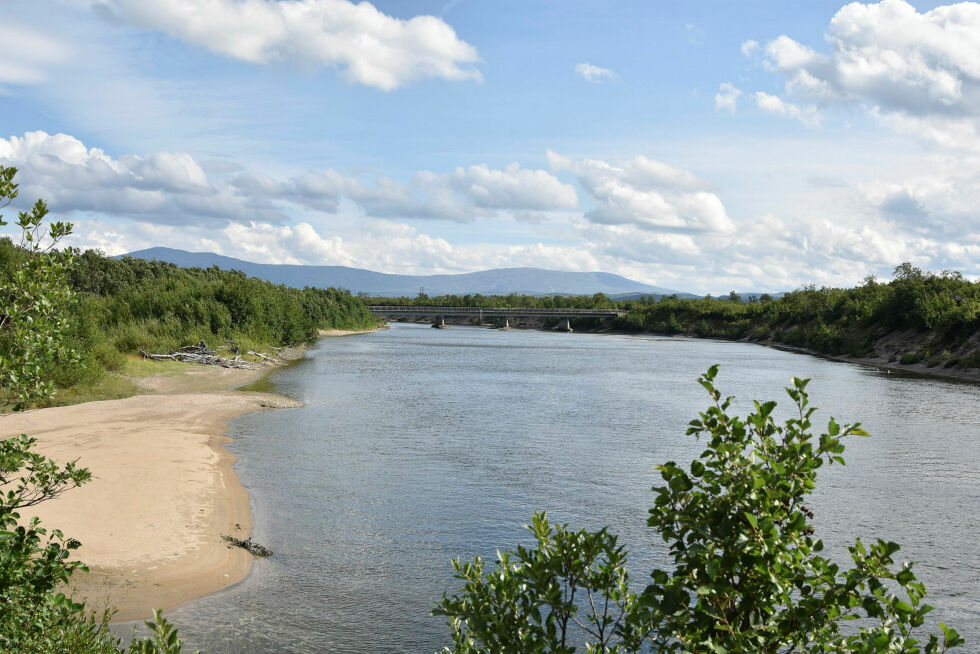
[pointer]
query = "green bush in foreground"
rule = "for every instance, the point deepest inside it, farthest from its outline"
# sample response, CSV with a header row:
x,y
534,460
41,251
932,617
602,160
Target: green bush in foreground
x,y
35,615
748,572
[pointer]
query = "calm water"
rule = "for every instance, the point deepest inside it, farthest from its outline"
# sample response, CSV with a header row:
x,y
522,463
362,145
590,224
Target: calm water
x,y
417,445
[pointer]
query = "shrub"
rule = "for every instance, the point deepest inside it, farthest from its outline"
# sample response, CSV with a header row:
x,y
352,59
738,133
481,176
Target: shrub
x,y
748,574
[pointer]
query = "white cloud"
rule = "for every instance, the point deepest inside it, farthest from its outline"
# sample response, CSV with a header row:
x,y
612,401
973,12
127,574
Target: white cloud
x,y
918,74
939,204
648,194
748,47
174,188
809,116
948,133
891,55
369,46
594,74
726,97
26,55
164,186
511,188
461,196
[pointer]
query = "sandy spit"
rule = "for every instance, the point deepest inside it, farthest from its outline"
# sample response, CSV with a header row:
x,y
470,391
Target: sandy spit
x,y
163,490
350,332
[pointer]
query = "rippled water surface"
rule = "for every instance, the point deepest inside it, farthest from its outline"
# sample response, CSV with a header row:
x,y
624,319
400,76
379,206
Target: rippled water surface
x,y
418,445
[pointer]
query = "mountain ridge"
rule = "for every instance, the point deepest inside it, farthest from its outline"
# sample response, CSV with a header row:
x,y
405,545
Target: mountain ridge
x,y
498,281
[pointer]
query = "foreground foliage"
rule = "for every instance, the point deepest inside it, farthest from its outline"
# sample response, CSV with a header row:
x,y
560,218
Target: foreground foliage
x,y
748,574
35,563
34,298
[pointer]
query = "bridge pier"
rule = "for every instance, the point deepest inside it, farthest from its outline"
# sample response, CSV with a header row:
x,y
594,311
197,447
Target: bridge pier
x,y
565,325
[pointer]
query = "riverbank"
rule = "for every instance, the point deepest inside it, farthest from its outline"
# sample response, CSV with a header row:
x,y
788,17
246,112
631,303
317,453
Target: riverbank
x,y
884,359
163,489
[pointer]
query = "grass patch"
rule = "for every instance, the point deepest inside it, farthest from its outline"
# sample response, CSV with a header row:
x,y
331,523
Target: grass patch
x,y
110,386
912,357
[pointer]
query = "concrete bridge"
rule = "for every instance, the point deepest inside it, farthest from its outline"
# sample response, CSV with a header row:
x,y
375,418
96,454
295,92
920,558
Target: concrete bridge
x,y
439,314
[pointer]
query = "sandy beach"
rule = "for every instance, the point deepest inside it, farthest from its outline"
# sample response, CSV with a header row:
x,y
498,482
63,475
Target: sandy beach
x,y
163,490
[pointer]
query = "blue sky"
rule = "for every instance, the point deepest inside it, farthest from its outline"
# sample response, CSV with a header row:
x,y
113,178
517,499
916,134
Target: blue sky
x,y
703,146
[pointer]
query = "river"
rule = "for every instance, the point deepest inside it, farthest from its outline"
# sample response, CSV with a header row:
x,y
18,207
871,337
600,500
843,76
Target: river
x,y
417,445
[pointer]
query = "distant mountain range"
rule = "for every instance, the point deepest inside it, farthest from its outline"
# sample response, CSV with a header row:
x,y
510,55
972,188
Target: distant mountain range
x,y
501,281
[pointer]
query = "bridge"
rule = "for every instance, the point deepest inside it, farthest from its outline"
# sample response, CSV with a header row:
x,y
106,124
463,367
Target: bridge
x,y
439,314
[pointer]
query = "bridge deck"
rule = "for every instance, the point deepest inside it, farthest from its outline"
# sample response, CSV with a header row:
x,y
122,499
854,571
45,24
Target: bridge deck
x,y
504,312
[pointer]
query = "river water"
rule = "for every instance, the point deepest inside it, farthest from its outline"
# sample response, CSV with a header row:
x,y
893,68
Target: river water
x,y
417,445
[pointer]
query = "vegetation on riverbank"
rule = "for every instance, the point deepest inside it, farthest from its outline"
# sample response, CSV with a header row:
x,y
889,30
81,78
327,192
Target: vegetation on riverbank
x,y
114,307
36,562
918,317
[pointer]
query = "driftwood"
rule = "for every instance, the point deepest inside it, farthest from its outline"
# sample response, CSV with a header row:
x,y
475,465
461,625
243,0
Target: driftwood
x,y
199,353
253,548
267,358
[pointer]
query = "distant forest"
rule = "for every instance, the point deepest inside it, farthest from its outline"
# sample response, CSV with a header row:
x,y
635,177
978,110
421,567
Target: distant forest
x,y
122,305
916,317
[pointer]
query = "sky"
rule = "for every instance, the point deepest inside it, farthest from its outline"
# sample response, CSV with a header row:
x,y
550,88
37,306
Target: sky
x,y
696,145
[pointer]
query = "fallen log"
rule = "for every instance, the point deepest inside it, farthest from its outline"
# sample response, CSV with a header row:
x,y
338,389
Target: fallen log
x,y
200,348
253,548
194,357
263,356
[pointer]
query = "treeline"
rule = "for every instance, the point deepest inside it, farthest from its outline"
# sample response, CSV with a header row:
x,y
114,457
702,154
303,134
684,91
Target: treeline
x,y
938,314
597,301
122,305
917,317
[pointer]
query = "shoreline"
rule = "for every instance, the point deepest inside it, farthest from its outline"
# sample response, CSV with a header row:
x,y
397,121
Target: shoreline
x,y
164,489
881,364
333,333
962,375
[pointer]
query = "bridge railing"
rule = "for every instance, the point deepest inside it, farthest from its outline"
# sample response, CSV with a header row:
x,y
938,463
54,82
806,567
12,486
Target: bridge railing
x,y
510,311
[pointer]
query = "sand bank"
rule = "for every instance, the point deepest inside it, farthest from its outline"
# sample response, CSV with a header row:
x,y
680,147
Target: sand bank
x,y
163,490
350,332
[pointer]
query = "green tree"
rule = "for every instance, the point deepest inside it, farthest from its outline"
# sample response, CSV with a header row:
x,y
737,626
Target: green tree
x,y
35,562
748,574
33,305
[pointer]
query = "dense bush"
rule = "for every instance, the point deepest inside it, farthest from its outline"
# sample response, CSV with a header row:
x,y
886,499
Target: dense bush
x,y
121,305
829,320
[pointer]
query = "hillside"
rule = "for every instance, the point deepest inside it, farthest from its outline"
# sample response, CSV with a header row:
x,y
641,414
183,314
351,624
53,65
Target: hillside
x,y
501,281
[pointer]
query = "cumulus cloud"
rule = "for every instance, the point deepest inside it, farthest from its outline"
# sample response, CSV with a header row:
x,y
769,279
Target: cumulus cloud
x,y
920,63
919,72
726,97
648,194
594,74
164,186
367,45
749,47
26,55
174,188
462,195
809,116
